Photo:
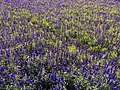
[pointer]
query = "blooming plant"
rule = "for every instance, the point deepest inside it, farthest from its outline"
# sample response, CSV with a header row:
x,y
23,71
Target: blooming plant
x,y
59,45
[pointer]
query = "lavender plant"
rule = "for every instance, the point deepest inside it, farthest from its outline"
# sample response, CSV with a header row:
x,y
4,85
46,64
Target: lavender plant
x,y
59,45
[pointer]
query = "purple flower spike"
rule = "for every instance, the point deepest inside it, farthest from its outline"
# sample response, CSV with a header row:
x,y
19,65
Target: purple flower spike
x,y
8,1
17,1
106,56
0,58
116,0
117,19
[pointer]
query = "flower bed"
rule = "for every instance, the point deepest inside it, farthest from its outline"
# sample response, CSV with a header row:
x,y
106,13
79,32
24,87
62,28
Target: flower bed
x,y
59,45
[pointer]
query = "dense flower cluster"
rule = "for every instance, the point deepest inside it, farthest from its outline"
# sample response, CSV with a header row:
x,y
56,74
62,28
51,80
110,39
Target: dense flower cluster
x,y
59,45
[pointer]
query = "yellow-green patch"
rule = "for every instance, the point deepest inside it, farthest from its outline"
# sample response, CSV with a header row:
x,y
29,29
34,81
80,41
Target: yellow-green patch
x,y
72,48
25,13
113,54
68,32
118,74
95,48
45,23
34,20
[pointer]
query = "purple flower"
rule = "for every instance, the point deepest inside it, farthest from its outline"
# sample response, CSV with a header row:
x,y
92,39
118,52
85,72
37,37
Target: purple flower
x,y
31,0
8,57
40,87
116,0
117,19
98,84
2,52
85,74
99,41
76,73
58,79
1,81
110,81
7,76
73,77
17,1
62,83
96,23
30,80
104,72
12,77
17,71
17,83
79,85
106,56
2,68
83,68
106,27
65,63
51,3
116,83
100,56
56,88
22,83
0,58
17,39
115,88
8,1
52,76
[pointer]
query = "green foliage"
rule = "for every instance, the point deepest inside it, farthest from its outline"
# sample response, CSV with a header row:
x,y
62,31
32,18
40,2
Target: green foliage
x,y
85,38
2,88
34,20
50,42
95,48
119,35
25,13
52,36
114,10
73,11
72,48
33,44
11,88
74,34
3,60
118,73
119,85
68,32
105,88
30,48
46,24
113,54
85,83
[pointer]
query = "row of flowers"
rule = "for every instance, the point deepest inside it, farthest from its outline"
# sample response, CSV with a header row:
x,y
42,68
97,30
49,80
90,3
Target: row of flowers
x,y
60,45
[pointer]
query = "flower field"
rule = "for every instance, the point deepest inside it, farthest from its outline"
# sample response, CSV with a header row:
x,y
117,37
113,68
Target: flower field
x,y
59,45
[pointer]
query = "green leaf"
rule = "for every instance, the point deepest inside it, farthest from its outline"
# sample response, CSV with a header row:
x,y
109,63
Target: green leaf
x,y
45,23
113,54
72,48
25,13
34,20
118,74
